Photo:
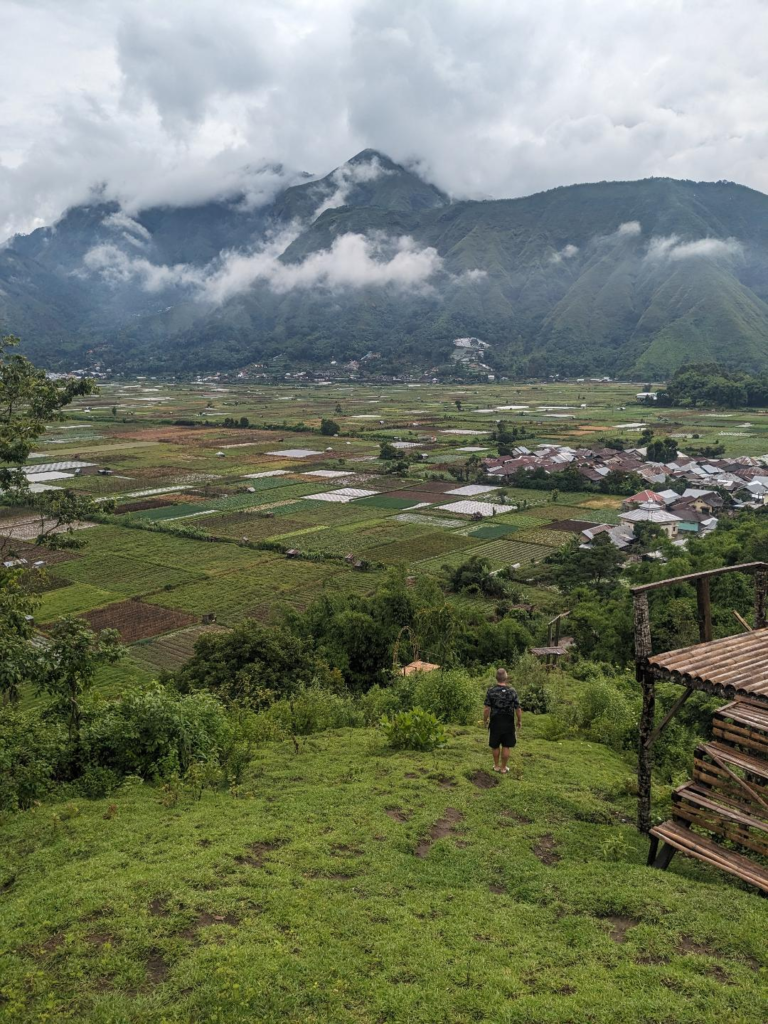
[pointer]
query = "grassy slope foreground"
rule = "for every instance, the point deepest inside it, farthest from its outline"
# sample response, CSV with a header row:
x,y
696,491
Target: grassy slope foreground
x,y
357,885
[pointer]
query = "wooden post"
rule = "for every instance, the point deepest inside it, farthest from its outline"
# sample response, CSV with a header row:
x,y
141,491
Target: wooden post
x,y
704,609
644,756
761,587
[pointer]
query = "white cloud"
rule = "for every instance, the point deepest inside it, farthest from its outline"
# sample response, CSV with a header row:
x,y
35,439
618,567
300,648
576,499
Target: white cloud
x,y
129,228
671,247
352,261
189,99
345,178
566,253
629,229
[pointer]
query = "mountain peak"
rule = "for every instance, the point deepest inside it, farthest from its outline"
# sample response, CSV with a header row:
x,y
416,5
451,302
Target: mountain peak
x,y
367,156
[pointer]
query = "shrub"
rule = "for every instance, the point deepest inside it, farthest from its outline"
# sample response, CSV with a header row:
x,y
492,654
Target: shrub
x,y
603,713
96,782
414,730
150,730
313,709
449,696
531,680
32,753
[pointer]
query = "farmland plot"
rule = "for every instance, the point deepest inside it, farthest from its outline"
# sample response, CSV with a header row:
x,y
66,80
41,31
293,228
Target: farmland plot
x,y
172,650
123,575
135,620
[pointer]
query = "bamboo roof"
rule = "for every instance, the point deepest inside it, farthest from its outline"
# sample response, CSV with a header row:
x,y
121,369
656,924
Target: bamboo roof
x,y
734,667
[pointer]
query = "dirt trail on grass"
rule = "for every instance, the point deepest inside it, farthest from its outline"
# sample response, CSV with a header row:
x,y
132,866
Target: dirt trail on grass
x,y
443,827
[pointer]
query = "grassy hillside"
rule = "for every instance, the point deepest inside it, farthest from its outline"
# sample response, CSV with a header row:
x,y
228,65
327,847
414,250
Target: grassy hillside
x,y
350,884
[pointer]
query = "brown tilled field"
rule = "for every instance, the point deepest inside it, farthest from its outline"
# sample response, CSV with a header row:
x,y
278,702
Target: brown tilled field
x,y
135,620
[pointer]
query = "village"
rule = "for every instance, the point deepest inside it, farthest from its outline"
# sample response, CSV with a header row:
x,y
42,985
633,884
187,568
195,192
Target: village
x,y
684,498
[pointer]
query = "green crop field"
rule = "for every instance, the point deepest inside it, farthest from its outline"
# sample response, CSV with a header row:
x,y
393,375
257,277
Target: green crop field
x,y
209,570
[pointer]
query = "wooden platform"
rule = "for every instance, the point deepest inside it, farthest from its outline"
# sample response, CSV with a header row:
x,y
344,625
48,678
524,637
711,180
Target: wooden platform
x,y
723,810
690,844
734,667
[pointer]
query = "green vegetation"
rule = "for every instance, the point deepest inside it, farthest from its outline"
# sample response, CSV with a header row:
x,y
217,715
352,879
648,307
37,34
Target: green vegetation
x,y
263,817
711,384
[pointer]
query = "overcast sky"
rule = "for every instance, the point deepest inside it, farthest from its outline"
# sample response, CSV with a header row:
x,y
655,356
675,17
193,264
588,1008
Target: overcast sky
x,y
174,100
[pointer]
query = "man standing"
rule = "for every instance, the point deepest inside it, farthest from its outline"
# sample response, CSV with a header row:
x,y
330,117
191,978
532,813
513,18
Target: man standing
x,y
502,707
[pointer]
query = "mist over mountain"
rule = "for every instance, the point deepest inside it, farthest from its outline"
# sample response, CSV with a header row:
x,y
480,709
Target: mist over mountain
x,y
612,277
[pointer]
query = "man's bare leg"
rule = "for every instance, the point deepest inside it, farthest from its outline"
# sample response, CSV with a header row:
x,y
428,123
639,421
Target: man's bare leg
x,y
496,751
504,758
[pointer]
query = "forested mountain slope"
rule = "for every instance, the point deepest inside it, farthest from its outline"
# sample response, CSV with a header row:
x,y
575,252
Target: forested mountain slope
x,y
612,277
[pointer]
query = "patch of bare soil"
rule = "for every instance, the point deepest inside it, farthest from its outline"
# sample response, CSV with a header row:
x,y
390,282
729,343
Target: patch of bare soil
x,y
619,926
397,815
650,958
102,939
497,889
158,907
687,944
514,816
546,850
204,843
443,827
342,850
259,852
52,943
445,781
205,920
157,969
483,779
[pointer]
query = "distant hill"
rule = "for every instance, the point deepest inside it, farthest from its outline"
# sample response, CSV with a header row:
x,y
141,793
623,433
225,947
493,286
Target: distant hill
x,y
612,277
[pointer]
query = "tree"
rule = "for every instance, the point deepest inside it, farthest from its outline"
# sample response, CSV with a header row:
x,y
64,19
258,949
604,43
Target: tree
x,y
29,400
68,666
457,403
662,450
253,664
387,451
475,575
598,566
329,428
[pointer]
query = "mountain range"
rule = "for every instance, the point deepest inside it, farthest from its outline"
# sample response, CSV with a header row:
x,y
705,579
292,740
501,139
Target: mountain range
x,y
631,278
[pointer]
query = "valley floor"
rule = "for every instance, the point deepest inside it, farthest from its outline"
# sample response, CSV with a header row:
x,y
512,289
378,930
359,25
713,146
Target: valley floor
x,y
358,886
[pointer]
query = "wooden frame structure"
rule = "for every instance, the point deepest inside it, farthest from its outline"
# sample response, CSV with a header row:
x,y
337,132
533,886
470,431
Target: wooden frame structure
x,y
556,646
735,667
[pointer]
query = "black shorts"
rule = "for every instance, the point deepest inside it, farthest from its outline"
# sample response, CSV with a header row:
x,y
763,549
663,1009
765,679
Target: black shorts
x,y
502,732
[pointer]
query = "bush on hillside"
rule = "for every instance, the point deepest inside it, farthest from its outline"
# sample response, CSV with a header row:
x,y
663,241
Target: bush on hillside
x,y
33,753
313,709
531,680
156,731
252,665
450,696
414,730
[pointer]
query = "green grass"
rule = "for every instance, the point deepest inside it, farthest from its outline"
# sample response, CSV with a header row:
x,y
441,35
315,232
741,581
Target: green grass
x,y
305,903
122,575
493,532
79,597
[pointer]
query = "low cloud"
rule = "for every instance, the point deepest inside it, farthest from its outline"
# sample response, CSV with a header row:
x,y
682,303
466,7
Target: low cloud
x,y
130,229
566,253
672,247
629,229
353,261
345,178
